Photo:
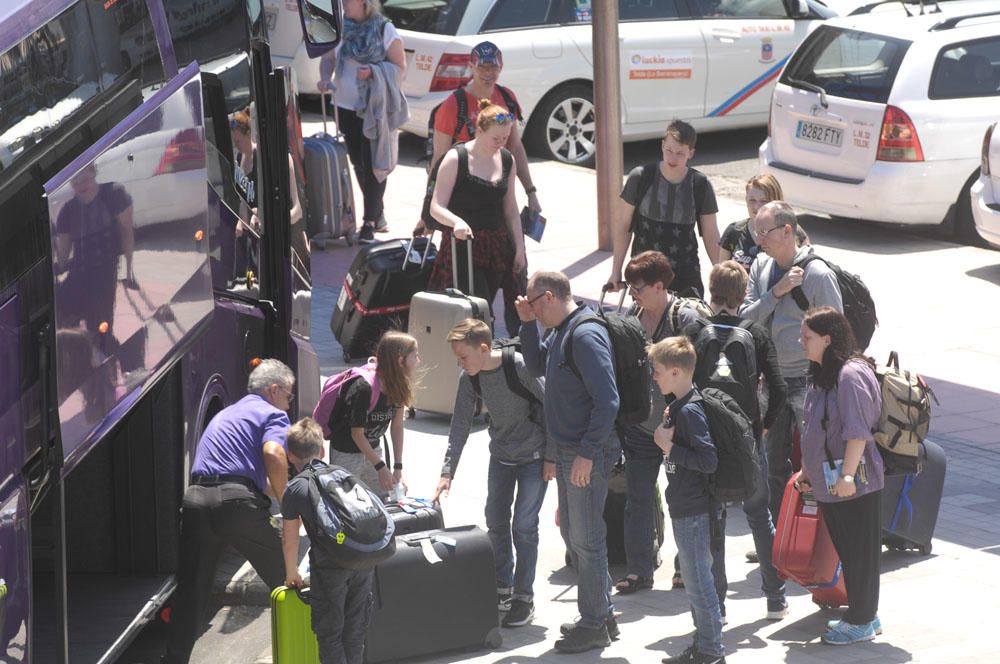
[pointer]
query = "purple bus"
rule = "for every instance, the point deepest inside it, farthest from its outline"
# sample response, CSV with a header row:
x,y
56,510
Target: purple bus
x,y
151,251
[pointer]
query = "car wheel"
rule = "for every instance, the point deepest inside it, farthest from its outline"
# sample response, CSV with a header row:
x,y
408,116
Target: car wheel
x,y
564,126
965,225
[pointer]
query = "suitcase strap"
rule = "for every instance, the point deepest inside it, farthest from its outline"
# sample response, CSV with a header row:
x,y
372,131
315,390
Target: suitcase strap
x,y
831,584
904,502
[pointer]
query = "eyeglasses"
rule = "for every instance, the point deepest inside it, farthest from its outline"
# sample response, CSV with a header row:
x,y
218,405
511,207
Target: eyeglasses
x,y
636,289
532,301
289,393
504,117
758,234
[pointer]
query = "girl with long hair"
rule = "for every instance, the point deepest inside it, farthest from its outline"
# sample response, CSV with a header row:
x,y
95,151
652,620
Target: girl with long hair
x,y
357,429
841,466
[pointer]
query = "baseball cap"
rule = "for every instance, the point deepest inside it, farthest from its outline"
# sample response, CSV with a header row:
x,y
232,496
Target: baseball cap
x,y
486,53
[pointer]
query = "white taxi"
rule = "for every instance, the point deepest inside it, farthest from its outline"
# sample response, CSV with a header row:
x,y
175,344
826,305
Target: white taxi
x,y
710,62
985,191
879,116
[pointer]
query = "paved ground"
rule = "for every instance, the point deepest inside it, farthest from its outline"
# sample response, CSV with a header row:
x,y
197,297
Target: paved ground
x,y
935,608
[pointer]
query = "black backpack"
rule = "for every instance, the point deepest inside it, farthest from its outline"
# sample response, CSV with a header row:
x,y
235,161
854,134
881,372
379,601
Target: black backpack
x,y
349,522
507,349
727,360
859,307
737,474
463,112
632,375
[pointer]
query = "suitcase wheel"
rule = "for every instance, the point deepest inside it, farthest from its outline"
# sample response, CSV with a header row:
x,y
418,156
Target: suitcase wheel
x,y
494,639
925,550
347,357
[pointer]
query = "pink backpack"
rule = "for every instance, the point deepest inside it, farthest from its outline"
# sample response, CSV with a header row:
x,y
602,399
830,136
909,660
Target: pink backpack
x,y
331,392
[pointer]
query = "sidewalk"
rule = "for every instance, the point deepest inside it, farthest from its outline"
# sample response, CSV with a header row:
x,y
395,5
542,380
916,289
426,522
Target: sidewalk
x,y
935,608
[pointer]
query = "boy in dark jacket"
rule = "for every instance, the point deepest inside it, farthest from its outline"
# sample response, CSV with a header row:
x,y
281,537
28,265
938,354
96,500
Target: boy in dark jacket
x,y
690,457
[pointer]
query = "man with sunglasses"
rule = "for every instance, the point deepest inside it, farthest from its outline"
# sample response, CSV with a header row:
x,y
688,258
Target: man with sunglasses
x,y
771,302
240,460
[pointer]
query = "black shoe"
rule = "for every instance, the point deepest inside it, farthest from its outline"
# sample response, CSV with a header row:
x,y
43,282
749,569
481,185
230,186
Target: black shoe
x,y
611,624
692,656
366,235
520,613
504,599
752,557
581,639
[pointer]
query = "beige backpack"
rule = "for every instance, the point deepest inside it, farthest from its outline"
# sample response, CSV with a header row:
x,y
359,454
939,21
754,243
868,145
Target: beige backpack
x,y
905,417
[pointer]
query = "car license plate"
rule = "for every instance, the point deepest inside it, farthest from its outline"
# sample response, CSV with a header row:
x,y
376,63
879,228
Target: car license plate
x,y
819,133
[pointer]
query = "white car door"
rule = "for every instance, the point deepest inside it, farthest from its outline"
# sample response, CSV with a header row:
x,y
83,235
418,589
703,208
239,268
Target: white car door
x,y
663,62
748,42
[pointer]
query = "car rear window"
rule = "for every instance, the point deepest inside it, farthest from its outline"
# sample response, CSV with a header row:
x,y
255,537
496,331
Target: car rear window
x,y
971,69
508,14
847,63
437,17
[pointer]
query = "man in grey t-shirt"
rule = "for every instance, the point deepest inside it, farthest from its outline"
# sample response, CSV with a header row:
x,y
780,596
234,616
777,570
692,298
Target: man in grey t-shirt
x,y
769,302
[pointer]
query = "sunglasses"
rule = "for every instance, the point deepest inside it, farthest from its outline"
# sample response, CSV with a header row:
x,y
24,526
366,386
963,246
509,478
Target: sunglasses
x,y
504,117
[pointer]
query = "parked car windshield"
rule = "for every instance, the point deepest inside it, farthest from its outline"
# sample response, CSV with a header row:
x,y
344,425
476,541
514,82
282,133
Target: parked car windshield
x,y
438,17
847,63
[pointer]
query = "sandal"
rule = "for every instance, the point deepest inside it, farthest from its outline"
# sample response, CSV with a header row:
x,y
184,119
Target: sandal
x,y
633,583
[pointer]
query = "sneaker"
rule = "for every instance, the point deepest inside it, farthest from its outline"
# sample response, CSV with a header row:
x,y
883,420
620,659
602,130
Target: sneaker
x,y
366,235
844,633
504,599
677,581
777,609
581,639
876,624
521,612
382,226
722,611
611,624
752,557
692,656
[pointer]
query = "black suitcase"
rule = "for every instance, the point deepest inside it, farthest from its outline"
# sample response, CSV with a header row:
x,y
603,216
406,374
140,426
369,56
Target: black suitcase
x,y
614,518
422,608
417,520
329,194
376,293
910,503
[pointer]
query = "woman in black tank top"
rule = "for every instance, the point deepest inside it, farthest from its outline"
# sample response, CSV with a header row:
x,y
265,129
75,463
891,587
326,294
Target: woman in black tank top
x,y
473,197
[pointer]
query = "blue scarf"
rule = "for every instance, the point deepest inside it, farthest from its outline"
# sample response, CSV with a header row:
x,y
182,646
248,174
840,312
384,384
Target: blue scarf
x,y
363,41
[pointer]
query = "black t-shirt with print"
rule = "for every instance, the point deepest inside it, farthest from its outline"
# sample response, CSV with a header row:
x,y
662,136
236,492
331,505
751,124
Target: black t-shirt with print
x,y
351,410
738,240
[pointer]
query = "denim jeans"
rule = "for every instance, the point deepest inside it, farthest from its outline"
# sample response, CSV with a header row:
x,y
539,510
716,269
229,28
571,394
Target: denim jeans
x,y
501,482
581,517
692,537
778,442
641,471
758,514
341,603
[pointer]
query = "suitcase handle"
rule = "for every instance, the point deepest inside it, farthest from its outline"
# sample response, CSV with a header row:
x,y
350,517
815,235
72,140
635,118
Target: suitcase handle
x,y
409,248
304,594
454,264
336,111
621,300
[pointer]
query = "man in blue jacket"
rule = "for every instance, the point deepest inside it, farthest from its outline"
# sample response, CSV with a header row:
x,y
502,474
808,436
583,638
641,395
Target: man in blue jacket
x,y
580,411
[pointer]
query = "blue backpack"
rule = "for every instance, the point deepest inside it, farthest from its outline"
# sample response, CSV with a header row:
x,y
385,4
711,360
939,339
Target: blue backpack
x,y
349,522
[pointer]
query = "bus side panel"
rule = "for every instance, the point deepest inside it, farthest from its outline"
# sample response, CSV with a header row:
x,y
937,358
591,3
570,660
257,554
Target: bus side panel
x,y
11,425
14,573
132,277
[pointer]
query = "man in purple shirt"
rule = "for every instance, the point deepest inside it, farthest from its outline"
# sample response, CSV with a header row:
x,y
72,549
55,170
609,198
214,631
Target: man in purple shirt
x,y
239,462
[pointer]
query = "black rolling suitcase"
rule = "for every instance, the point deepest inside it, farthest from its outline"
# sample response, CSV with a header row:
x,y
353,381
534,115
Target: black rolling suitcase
x,y
329,193
910,503
614,518
376,293
437,593
415,518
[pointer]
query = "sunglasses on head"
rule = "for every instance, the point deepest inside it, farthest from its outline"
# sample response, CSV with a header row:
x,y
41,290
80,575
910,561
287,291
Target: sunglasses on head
x,y
505,117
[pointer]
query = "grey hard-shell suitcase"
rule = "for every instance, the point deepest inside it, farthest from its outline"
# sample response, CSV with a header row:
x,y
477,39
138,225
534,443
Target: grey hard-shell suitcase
x,y
432,314
910,503
437,593
329,194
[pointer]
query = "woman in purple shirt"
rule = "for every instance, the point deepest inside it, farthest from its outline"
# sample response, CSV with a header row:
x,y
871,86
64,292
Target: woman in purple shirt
x,y
842,467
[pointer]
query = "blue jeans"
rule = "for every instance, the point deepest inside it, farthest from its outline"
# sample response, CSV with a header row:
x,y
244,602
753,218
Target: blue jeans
x,y
758,514
341,602
692,537
641,471
581,518
502,480
778,442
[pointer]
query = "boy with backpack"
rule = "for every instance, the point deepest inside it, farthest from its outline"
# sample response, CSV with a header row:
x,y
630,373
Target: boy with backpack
x,y
350,532
690,458
521,457
733,355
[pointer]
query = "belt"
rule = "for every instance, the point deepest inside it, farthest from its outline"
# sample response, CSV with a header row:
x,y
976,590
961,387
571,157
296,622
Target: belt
x,y
212,480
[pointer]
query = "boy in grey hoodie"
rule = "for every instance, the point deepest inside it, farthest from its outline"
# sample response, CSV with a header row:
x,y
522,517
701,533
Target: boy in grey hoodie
x,y
521,457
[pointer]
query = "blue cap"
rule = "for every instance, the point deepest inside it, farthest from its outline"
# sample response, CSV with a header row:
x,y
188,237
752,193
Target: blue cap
x,y
486,53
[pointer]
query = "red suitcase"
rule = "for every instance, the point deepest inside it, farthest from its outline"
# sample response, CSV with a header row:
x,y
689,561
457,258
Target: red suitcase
x,y
803,550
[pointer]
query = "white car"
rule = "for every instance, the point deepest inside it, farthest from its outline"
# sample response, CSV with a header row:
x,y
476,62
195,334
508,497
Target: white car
x,y
985,192
710,62
878,116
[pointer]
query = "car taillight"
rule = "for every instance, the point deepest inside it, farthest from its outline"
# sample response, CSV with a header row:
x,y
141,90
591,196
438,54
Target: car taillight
x,y
898,141
986,149
453,71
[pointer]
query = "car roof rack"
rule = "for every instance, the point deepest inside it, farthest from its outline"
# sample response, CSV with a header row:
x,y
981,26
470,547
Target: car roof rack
x,y
953,22
866,9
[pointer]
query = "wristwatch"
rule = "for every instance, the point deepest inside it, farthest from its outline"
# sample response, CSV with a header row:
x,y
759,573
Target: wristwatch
x,y
849,479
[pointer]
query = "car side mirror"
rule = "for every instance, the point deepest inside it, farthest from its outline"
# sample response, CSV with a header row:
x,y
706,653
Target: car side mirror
x,y
322,25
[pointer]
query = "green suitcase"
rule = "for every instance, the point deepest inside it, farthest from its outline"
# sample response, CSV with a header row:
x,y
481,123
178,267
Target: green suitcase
x,y
292,637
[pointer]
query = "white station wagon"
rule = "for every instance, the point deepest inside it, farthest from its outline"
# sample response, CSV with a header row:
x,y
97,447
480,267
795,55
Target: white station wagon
x,y
710,62
880,116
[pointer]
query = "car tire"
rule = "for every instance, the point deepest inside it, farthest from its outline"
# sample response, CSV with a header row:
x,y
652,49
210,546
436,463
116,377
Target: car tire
x,y
964,223
563,126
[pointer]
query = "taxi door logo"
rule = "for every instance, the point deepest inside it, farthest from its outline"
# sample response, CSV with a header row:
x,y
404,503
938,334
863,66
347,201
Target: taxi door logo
x,y
766,49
